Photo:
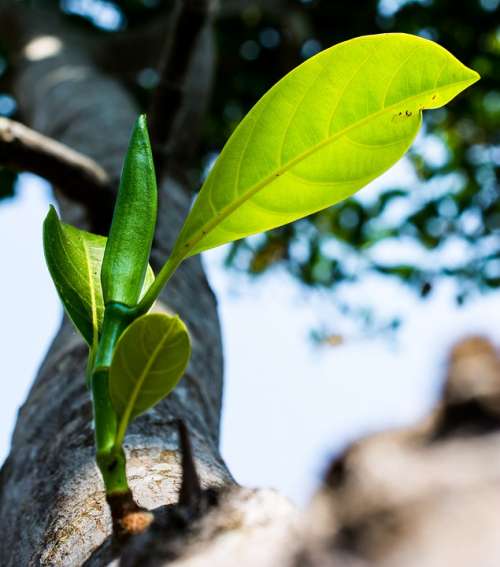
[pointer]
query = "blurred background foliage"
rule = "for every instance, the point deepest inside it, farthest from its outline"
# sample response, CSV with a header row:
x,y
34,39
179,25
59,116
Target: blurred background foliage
x,y
442,222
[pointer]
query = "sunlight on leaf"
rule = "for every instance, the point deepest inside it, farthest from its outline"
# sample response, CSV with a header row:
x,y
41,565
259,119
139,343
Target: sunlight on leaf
x,y
323,132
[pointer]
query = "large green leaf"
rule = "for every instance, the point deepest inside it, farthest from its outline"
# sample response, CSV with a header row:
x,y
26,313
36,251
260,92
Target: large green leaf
x,y
149,359
74,259
325,130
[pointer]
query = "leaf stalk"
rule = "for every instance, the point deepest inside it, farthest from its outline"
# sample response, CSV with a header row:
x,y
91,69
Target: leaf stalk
x,y
110,458
161,280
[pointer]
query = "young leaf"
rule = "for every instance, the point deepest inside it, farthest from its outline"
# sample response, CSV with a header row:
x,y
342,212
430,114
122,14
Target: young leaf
x,y
324,131
74,259
131,234
149,359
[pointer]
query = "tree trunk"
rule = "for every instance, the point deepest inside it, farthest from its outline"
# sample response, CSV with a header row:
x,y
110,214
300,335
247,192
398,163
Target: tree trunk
x,y
52,506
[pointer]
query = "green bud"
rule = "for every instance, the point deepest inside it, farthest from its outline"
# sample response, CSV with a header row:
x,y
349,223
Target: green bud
x,y
132,230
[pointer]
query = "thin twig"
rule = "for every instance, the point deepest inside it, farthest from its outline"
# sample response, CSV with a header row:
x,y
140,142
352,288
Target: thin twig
x,y
76,175
168,97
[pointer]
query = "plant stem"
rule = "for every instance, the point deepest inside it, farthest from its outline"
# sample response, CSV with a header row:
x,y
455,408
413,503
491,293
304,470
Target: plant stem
x,y
157,286
110,459
112,465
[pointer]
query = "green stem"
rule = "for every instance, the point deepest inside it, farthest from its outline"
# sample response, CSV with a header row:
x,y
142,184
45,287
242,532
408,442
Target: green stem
x,y
110,459
104,414
112,465
160,282
108,435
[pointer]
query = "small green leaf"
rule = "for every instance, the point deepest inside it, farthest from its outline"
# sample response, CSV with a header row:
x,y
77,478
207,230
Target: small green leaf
x,y
74,259
149,359
324,131
132,230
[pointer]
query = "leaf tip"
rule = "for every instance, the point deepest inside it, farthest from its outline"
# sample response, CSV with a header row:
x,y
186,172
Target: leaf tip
x,y
52,213
142,123
474,76
140,137
50,222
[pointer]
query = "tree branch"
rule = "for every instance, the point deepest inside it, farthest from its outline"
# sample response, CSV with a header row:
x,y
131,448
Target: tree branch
x,y
178,53
76,175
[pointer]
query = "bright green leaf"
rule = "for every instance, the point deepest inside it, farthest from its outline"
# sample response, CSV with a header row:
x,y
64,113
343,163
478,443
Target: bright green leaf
x,y
131,234
74,259
149,359
323,132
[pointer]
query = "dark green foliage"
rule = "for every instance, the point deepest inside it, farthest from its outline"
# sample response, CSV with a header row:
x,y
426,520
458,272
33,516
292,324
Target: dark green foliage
x,y
8,180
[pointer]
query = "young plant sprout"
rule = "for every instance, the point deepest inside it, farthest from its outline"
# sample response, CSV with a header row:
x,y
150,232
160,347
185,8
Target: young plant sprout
x,y
320,134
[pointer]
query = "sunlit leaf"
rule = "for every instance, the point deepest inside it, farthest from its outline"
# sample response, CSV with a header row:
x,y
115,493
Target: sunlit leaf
x,y
324,131
74,259
149,359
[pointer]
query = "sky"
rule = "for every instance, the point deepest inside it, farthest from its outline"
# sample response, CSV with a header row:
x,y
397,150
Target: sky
x,y
289,405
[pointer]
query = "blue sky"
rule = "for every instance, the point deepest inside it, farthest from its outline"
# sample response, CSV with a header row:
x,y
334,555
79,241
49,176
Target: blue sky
x,y
288,404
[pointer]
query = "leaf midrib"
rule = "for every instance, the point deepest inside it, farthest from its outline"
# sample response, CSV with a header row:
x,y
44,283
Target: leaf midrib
x,y
224,212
